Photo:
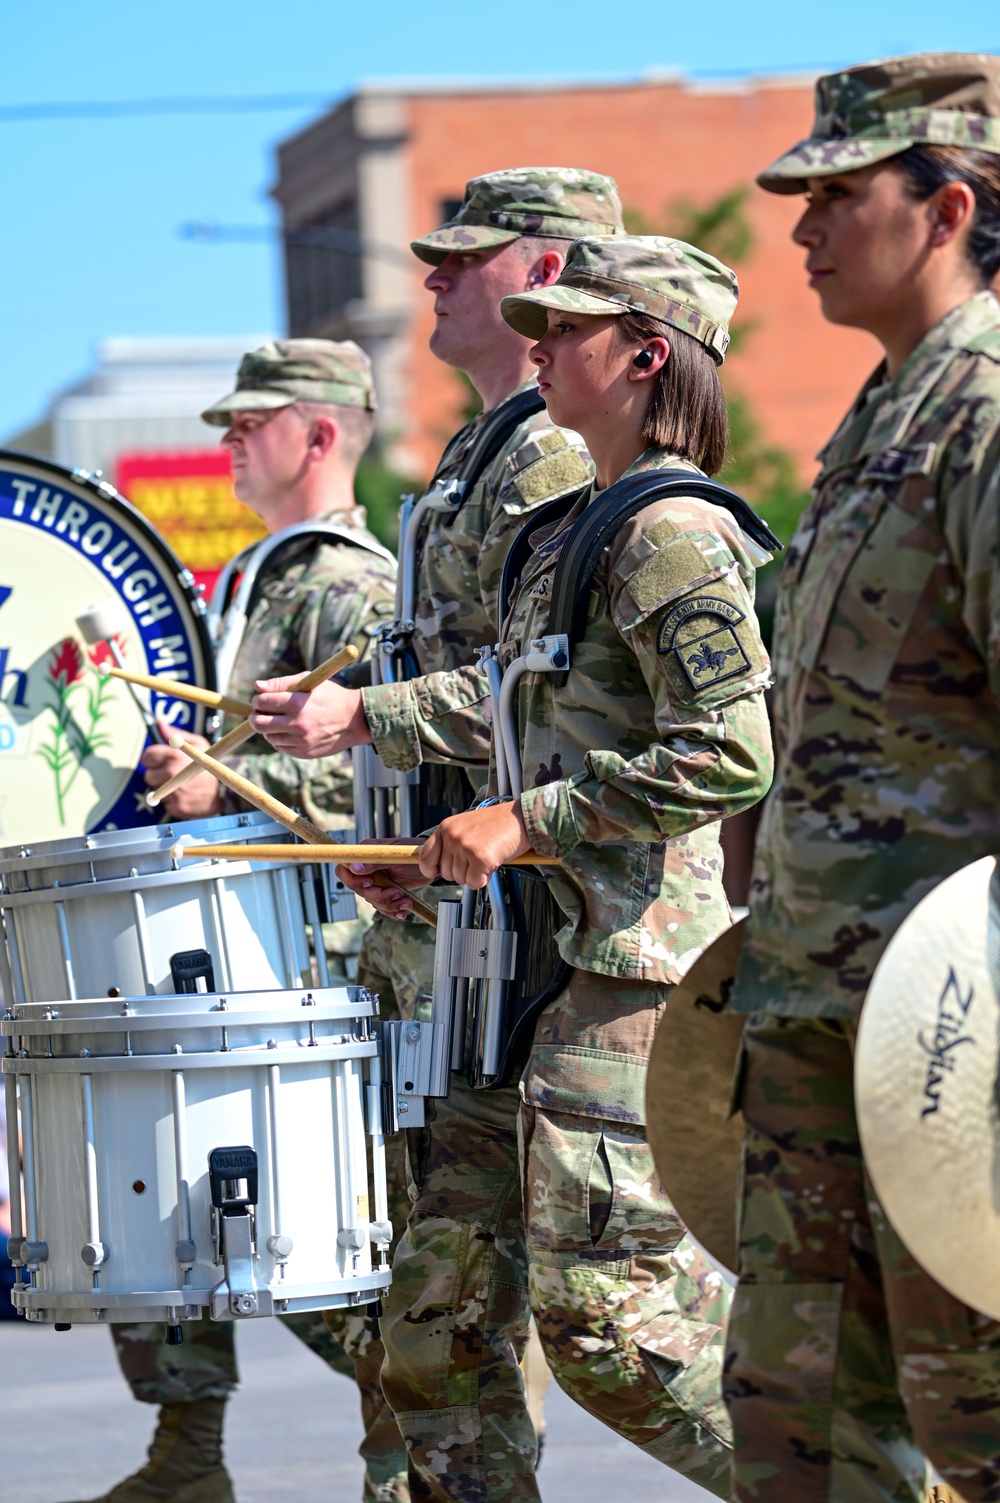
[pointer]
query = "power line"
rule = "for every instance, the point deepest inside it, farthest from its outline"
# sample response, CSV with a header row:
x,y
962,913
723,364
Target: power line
x,y
206,104
321,236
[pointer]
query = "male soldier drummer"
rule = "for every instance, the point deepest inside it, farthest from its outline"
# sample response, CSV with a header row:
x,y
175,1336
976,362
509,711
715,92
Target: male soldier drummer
x,y
296,427
458,1308
847,1363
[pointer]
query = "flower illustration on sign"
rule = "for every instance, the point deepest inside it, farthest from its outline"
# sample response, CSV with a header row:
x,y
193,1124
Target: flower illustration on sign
x,y
70,745
66,667
100,654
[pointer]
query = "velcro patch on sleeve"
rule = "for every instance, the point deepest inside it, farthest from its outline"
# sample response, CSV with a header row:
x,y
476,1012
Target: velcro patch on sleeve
x,y
707,643
554,475
678,566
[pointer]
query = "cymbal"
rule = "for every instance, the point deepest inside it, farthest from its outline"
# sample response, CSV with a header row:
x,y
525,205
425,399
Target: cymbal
x,y
926,1080
697,1146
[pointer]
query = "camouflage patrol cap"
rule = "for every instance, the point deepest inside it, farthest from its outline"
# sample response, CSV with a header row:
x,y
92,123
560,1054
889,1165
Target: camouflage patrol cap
x,y
298,370
668,280
876,110
560,202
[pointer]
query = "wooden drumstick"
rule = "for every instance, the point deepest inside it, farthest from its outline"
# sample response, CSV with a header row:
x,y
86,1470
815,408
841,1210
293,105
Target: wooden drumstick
x,y
388,855
192,692
242,732
268,804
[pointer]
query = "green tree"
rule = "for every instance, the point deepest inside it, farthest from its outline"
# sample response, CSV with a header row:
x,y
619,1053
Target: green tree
x,y
379,489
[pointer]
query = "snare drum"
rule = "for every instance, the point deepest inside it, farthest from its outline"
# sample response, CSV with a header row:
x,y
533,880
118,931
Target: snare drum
x,y
115,913
70,736
206,1153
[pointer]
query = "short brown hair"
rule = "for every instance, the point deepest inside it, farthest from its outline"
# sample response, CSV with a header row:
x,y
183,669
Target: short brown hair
x,y
687,411
928,168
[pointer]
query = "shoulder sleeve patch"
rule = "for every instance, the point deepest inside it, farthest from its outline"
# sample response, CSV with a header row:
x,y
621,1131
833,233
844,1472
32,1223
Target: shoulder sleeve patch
x,y
707,642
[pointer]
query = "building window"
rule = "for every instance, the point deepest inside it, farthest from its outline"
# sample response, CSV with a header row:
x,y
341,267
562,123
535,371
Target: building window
x,y
323,267
449,208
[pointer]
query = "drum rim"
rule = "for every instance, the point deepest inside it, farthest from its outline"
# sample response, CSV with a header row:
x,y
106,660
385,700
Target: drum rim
x,y
144,839
158,544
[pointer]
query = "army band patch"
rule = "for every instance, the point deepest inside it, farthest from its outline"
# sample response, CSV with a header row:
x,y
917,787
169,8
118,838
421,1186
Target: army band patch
x,y
702,635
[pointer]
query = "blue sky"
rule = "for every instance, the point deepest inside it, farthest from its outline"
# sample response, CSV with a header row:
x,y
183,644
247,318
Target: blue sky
x,y
92,208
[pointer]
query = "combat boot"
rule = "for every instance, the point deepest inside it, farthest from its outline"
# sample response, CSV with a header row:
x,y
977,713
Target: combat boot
x,y
941,1494
185,1459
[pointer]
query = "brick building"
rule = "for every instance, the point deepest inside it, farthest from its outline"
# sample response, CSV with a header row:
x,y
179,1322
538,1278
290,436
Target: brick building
x,y
389,162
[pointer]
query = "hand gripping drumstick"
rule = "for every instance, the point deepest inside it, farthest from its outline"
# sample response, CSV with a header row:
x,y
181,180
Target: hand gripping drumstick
x,y
388,855
177,690
297,823
244,730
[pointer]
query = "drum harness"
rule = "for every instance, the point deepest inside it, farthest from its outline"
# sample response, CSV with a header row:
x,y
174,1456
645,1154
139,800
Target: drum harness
x,y
496,964
387,802
234,597
232,603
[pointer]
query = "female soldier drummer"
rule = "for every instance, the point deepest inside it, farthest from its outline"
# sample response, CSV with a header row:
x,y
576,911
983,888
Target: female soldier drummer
x,y
658,733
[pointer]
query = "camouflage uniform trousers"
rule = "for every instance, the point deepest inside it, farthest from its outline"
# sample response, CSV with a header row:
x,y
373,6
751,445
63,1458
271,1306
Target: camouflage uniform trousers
x,y
204,1366
846,1363
543,1200
395,963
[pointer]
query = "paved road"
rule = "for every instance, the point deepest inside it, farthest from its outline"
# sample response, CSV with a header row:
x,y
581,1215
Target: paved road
x,y
68,1428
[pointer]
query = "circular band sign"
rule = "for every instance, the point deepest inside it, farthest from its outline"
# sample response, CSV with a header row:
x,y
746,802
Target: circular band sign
x,y
70,736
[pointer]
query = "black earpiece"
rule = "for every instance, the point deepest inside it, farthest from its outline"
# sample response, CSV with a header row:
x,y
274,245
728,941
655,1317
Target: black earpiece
x,y
644,360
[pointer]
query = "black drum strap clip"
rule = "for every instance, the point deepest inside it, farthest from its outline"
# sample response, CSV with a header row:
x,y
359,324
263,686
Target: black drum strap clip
x,y
234,1233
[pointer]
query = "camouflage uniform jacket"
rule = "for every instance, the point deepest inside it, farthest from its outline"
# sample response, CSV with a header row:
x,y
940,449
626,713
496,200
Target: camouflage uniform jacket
x,y
659,732
887,661
460,563
318,596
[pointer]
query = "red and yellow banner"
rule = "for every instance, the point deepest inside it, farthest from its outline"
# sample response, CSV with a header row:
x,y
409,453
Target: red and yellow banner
x,y
188,497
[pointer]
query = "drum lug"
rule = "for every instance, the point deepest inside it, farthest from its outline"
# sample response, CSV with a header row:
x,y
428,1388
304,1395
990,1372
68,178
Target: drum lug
x,y
234,1232
28,1253
380,1232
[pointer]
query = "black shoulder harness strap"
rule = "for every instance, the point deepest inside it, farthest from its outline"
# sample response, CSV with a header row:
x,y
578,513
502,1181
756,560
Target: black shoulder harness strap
x,y
520,549
491,438
598,526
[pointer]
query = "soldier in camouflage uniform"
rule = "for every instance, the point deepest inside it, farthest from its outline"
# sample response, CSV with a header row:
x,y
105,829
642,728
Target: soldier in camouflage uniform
x,y
510,234
297,424
847,1363
631,764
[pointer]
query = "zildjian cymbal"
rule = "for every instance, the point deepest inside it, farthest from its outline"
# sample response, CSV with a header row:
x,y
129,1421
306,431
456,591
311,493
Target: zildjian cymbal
x,y
926,1080
697,1143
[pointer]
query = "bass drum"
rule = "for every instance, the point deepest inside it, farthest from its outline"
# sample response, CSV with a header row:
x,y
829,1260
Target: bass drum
x,y
70,736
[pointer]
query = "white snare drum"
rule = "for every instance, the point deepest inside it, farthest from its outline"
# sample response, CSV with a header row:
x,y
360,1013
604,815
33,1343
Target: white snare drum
x,y
198,1153
114,913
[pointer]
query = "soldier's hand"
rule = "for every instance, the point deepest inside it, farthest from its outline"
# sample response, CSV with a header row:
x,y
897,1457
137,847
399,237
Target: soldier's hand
x,y
468,848
393,901
199,797
330,719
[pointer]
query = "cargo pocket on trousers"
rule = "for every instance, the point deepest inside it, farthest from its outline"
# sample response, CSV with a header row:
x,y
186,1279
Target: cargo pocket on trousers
x,y
627,1211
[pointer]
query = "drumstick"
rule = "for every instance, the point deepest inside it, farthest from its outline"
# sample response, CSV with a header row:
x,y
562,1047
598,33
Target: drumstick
x,y
177,690
268,804
378,855
242,732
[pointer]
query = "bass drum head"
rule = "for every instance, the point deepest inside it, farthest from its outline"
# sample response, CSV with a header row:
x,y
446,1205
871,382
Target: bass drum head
x,y
70,736
926,1080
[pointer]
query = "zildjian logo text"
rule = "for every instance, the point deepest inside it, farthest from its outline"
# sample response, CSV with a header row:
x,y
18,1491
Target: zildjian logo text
x,y
953,1009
